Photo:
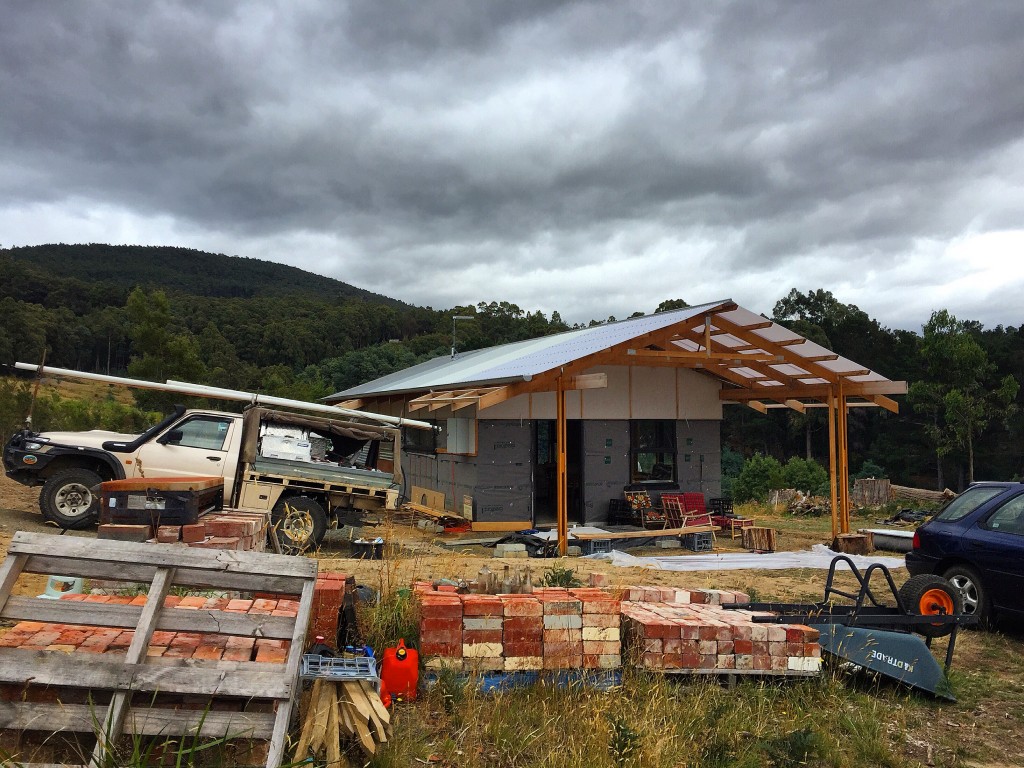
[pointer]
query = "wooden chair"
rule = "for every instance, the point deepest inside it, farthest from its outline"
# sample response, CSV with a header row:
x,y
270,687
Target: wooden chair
x,y
676,517
694,503
649,515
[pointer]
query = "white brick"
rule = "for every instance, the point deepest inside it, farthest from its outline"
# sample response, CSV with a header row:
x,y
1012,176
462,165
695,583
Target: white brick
x,y
606,634
480,650
804,663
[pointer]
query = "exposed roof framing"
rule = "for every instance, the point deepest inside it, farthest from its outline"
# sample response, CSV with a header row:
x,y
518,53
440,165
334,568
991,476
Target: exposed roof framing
x,y
761,364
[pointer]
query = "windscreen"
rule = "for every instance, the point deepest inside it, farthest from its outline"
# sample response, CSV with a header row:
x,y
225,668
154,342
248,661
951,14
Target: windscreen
x,y
968,501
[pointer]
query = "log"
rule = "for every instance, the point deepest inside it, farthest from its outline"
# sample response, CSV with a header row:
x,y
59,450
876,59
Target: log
x,y
871,492
853,543
759,539
920,494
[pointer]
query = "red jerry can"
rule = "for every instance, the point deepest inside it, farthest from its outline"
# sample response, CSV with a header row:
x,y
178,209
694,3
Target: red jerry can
x,y
400,671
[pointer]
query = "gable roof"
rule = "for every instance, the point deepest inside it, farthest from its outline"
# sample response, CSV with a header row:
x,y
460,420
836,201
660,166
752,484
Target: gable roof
x,y
756,358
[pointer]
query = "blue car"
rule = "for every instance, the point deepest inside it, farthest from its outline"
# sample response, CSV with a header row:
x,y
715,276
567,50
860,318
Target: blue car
x,y
977,542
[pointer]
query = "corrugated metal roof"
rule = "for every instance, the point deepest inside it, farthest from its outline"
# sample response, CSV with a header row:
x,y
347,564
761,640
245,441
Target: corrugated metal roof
x,y
519,360
733,328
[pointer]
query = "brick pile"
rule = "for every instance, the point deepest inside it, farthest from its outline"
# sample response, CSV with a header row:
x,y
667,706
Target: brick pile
x,y
661,628
328,597
688,631
72,638
229,529
552,628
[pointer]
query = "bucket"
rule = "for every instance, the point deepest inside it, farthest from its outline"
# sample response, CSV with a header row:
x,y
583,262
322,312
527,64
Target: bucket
x,y
368,550
62,585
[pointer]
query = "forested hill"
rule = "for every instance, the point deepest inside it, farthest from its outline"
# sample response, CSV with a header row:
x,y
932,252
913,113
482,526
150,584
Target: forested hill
x,y
122,267
158,313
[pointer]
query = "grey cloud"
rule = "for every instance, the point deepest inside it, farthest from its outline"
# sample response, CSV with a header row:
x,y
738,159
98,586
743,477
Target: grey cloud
x,y
522,135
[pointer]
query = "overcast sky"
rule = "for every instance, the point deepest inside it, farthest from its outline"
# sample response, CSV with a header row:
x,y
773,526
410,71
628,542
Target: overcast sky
x,y
593,158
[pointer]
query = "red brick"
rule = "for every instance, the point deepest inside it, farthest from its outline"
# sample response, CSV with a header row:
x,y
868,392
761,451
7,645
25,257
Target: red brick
x,y
168,534
239,649
450,650
522,608
431,624
193,602
523,648
482,605
474,636
213,653
191,534
436,610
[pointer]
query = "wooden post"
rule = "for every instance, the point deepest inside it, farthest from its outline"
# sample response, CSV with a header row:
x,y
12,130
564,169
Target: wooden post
x,y
562,485
833,466
844,463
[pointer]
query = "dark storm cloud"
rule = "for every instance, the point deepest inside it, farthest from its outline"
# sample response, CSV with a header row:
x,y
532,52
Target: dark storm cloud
x,y
526,136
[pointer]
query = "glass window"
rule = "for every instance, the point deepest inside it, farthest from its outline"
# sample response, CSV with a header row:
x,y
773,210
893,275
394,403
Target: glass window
x,y
1009,518
968,501
420,440
652,450
206,432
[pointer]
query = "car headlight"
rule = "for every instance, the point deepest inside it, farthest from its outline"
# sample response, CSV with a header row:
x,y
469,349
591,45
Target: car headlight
x,y
33,446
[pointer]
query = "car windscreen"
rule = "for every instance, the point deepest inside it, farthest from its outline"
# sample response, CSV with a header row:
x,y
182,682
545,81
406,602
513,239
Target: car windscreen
x,y
968,501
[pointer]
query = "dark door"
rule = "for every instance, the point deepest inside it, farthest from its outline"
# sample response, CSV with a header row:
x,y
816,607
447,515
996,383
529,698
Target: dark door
x,y
545,472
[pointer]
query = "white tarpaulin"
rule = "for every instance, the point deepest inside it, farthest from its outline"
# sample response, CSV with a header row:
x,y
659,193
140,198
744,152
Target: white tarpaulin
x,y
819,556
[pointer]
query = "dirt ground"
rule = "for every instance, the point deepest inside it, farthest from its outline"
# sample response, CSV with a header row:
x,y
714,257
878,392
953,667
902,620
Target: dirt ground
x,y
988,722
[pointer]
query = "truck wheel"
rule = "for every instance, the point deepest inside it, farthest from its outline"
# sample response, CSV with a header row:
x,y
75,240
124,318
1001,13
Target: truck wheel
x,y
68,501
928,595
300,522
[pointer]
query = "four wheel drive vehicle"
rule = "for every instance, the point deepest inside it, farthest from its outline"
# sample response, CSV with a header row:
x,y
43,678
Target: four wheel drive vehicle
x,y
977,542
310,471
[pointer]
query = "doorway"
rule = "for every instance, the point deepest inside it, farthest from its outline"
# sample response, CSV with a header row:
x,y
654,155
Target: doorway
x,y
545,472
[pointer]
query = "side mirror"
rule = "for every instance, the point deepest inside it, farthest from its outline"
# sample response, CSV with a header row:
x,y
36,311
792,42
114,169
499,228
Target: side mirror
x,y
173,437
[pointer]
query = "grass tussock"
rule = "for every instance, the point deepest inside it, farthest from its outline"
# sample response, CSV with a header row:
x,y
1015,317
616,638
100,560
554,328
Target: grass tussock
x,y
650,720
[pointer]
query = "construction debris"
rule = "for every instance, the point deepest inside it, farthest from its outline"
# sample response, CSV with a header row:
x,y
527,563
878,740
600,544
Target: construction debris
x,y
342,711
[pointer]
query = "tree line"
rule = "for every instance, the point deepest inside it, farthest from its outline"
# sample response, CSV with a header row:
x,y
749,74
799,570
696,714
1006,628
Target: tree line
x,y
159,313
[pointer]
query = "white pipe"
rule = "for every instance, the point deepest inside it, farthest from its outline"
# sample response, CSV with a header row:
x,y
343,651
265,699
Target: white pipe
x,y
283,402
200,390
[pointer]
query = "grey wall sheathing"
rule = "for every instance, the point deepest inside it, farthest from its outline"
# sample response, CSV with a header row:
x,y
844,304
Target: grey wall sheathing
x,y
454,476
500,476
504,482
699,456
605,466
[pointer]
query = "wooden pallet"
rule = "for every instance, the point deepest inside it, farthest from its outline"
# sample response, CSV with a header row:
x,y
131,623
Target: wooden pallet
x,y
117,677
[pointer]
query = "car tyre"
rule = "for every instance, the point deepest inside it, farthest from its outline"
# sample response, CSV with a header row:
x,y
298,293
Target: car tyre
x,y
300,523
972,592
929,595
67,499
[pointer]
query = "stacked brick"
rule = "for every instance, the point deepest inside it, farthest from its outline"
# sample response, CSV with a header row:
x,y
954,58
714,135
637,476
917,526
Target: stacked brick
x,y
179,645
328,598
692,633
552,628
677,630
229,529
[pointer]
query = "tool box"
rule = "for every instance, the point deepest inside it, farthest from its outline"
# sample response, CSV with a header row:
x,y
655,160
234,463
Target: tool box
x,y
160,500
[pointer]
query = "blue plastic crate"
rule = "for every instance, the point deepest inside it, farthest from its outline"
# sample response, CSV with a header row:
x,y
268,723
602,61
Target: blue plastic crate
x,y
704,541
594,546
339,668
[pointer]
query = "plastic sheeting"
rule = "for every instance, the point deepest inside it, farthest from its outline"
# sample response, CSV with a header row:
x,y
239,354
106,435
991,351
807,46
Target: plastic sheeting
x,y
818,556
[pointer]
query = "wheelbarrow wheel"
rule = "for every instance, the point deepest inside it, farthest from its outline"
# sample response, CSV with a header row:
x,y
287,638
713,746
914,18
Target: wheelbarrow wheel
x,y
928,595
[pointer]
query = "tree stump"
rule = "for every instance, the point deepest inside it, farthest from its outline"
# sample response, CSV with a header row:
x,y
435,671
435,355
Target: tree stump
x,y
759,539
854,543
